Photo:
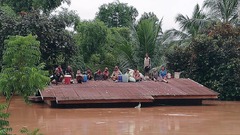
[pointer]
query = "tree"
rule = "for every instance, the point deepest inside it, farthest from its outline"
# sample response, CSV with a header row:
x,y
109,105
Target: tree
x,y
212,60
21,71
190,26
117,14
55,40
7,24
29,5
147,35
225,11
92,37
149,15
4,124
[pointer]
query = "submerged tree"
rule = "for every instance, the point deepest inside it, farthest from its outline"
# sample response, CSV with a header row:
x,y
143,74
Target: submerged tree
x,y
22,73
4,124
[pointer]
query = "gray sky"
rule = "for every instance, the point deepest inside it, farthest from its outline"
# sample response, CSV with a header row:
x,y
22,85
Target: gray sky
x,y
168,9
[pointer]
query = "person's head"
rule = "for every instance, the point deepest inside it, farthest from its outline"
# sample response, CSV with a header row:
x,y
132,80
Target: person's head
x,y
163,68
116,68
56,70
135,68
59,66
106,69
69,67
146,55
88,70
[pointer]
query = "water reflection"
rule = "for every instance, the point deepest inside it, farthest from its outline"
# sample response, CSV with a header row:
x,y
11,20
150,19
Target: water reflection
x,y
217,118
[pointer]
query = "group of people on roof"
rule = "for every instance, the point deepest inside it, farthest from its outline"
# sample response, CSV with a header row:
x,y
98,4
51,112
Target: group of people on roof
x,y
133,75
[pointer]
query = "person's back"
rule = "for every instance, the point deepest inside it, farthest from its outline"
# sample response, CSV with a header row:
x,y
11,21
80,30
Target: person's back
x,y
98,75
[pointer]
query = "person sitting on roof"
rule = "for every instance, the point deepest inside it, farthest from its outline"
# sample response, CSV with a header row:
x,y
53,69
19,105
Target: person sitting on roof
x,y
89,74
163,74
56,77
98,75
129,73
136,75
69,71
79,76
116,73
105,73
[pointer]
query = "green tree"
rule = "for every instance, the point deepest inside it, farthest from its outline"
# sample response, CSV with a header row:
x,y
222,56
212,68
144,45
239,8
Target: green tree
x,y
120,48
55,40
212,60
7,24
92,37
21,71
4,124
117,14
225,11
149,15
29,5
147,38
189,26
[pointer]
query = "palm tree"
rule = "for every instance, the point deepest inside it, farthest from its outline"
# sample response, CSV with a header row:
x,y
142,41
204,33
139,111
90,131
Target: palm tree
x,y
225,11
189,26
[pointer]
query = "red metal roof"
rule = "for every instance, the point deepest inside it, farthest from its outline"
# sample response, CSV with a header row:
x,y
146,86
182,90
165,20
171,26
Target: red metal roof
x,y
111,92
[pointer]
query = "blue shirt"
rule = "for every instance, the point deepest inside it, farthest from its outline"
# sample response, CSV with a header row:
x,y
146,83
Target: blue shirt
x,y
163,73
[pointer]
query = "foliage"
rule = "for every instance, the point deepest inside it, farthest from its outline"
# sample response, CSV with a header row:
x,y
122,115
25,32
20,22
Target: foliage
x,y
190,27
223,10
29,5
117,14
21,71
26,131
8,20
213,59
148,32
4,124
55,40
149,15
92,37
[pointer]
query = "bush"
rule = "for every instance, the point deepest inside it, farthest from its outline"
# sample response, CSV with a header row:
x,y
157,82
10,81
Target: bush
x,y
212,59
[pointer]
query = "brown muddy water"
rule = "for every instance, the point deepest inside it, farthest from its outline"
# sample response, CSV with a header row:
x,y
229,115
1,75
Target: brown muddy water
x,y
212,118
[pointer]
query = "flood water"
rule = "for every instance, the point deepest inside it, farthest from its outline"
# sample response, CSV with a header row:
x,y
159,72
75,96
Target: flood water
x,y
212,118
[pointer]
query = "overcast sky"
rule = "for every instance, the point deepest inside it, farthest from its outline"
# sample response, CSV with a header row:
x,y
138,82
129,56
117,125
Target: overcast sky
x,y
168,9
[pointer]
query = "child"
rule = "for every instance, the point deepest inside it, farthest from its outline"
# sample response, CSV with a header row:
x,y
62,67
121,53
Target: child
x,y
163,74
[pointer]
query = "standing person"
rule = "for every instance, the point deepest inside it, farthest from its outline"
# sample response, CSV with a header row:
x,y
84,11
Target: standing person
x,y
147,64
163,74
105,73
115,73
